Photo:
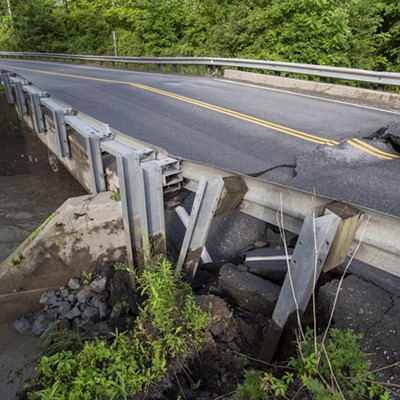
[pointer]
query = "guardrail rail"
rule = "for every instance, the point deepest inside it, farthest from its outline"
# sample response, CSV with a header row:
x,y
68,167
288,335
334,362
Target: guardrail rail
x,y
381,79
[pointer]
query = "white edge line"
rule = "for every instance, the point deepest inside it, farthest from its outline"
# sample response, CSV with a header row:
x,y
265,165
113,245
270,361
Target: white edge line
x,y
307,95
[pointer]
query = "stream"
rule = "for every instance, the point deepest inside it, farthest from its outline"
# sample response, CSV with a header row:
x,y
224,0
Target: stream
x,y
25,203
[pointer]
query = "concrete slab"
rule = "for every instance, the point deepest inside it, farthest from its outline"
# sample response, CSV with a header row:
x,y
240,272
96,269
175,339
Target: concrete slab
x,y
85,232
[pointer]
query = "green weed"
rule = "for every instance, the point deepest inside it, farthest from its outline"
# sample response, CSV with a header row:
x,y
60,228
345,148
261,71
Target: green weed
x,y
60,337
87,277
35,234
116,195
15,260
332,371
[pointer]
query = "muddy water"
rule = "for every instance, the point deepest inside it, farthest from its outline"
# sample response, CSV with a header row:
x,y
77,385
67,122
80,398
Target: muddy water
x,y
17,360
25,202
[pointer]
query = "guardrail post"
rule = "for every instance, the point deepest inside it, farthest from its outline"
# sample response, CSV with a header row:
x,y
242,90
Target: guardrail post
x,y
38,120
313,245
61,134
203,210
132,199
5,77
323,240
21,103
92,142
154,199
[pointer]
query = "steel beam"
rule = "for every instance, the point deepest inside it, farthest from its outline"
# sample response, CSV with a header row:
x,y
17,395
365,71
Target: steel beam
x,y
21,103
308,259
38,120
5,77
205,204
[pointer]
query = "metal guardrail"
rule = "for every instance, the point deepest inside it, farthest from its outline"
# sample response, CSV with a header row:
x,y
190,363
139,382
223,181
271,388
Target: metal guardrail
x,y
146,173
379,78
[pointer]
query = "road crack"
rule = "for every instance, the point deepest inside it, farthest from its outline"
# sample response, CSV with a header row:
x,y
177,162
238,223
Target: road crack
x,y
257,174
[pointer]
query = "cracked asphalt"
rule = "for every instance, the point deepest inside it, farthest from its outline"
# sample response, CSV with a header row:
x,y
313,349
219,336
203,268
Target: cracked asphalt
x,y
300,141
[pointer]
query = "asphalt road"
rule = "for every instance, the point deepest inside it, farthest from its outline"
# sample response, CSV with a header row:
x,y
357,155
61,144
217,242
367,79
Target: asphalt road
x,y
310,143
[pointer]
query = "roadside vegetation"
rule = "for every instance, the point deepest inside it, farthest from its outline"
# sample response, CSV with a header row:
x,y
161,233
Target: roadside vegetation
x,y
348,33
168,331
333,368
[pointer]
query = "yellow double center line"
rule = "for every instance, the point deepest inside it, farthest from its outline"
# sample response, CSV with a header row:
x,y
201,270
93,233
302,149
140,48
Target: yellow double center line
x,y
367,148
222,110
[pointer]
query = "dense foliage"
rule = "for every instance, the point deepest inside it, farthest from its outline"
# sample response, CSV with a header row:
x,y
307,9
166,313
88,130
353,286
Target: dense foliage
x,y
349,33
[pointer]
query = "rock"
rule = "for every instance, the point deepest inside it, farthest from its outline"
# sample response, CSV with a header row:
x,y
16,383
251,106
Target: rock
x,y
50,299
248,291
41,324
116,311
103,311
74,284
222,325
89,313
71,298
22,325
63,308
98,285
84,295
75,312
64,293
44,298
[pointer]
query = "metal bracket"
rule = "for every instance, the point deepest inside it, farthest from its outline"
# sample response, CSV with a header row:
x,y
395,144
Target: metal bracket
x,y
205,204
92,141
37,115
308,259
5,77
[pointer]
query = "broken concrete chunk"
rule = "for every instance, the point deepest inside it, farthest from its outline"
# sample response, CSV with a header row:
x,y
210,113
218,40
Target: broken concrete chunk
x,y
248,291
84,295
41,324
99,285
90,312
74,283
269,263
75,312
22,325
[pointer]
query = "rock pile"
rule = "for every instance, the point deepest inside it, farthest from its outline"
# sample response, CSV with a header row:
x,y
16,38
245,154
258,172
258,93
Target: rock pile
x,y
86,305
